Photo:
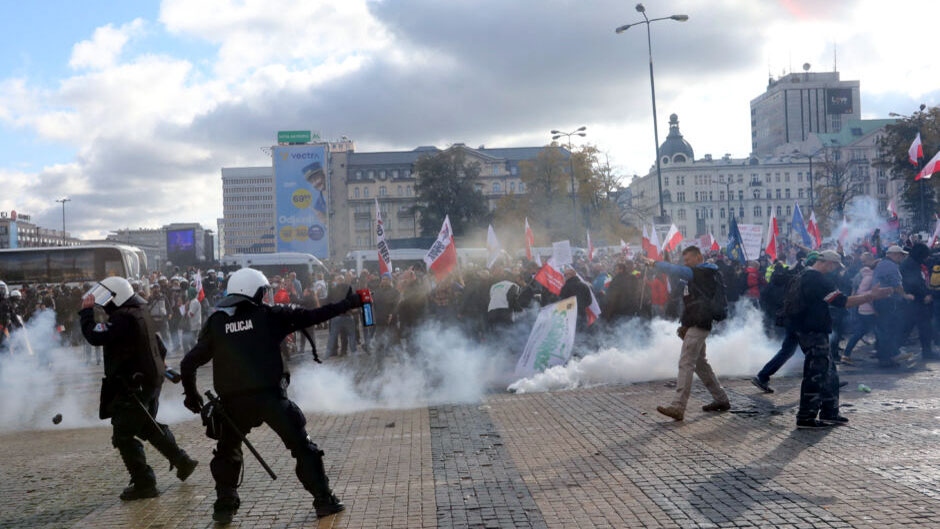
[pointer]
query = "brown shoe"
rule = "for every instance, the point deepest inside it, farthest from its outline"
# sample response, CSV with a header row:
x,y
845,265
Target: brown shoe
x,y
671,411
717,406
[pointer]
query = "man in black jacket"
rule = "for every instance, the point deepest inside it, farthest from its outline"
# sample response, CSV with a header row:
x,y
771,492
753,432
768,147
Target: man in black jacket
x,y
242,339
134,371
918,311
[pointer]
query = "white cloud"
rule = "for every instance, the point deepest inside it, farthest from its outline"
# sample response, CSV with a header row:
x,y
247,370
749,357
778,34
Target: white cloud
x,y
104,47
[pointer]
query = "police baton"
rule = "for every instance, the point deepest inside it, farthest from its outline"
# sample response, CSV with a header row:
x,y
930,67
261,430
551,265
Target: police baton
x,y
221,410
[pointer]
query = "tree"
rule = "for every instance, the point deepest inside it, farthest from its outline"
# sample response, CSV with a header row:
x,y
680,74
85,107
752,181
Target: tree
x,y
919,197
838,180
445,186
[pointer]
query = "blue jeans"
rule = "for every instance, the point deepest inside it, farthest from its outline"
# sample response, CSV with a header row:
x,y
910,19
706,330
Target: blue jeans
x,y
787,348
864,323
345,325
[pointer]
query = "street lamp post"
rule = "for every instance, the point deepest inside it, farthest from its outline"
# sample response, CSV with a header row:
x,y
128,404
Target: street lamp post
x,y
558,134
63,201
812,203
649,44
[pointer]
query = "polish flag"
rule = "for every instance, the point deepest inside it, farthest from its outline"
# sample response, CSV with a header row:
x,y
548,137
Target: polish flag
x,y
672,239
930,168
916,152
590,247
654,245
844,231
550,277
492,247
935,236
772,232
197,284
813,229
625,250
442,256
594,309
714,246
529,243
385,256
892,210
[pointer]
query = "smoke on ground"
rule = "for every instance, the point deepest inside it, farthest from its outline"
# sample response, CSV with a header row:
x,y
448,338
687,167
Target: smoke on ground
x,y
443,366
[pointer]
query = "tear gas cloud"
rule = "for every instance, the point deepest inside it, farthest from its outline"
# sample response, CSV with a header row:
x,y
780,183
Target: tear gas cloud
x,y
444,367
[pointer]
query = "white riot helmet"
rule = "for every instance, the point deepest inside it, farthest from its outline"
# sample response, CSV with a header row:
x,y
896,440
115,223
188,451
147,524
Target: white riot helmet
x,y
246,284
3,290
113,289
16,294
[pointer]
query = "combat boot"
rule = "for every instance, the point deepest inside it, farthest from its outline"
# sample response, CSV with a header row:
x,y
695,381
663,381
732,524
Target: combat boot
x,y
327,505
135,492
224,510
185,466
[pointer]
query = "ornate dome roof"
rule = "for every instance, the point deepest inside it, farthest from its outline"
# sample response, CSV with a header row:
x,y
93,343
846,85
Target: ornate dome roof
x,y
675,145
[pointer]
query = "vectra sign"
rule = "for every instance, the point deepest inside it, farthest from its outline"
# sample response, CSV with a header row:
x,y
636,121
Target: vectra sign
x,y
301,200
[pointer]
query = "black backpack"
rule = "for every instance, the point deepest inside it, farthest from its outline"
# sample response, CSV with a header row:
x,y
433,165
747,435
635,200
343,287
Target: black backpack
x,y
711,295
793,303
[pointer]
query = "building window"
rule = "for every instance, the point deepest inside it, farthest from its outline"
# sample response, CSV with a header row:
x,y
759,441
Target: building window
x,y
799,177
779,212
800,192
741,212
721,213
665,180
756,211
778,193
882,187
394,173
400,190
370,175
522,187
740,194
757,193
382,191
408,191
358,175
788,211
787,193
786,177
355,192
512,187
365,192
496,187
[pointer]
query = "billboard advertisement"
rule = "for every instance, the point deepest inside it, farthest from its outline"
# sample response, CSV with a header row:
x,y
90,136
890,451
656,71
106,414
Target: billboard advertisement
x,y
300,200
838,101
181,247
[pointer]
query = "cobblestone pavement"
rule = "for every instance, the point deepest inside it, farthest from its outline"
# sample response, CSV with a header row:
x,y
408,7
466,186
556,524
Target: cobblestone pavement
x,y
592,457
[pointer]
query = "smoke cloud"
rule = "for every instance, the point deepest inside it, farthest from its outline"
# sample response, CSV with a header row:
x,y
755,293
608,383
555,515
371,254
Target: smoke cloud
x,y
442,366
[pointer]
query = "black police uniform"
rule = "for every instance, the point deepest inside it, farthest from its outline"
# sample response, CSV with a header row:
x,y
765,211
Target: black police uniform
x,y
134,368
243,343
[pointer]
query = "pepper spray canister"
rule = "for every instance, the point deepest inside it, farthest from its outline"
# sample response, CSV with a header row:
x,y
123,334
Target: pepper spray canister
x,y
365,296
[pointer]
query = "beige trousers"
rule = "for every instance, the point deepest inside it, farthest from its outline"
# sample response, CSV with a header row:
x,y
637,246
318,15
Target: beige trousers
x,y
692,360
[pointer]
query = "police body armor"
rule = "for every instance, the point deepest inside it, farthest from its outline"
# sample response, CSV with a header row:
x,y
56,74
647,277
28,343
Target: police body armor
x,y
247,356
142,354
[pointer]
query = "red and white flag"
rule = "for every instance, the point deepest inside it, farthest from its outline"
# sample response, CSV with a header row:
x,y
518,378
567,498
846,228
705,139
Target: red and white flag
x,y
672,239
442,256
594,309
492,247
892,210
844,231
550,277
930,168
197,284
936,235
654,245
813,229
714,246
916,152
385,256
772,230
529,243
625,250
590,247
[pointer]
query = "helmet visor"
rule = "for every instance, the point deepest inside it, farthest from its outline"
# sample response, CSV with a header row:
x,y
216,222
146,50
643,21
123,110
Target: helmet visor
x,y
101,293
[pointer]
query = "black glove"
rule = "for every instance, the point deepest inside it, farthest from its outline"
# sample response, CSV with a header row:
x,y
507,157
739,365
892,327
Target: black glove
x,y
353,299
193,402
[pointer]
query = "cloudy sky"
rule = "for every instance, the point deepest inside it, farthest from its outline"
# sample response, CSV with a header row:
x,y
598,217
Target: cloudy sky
x,y
130,109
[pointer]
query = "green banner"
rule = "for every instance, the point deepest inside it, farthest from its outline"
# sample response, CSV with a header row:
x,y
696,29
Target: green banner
x,y
293,136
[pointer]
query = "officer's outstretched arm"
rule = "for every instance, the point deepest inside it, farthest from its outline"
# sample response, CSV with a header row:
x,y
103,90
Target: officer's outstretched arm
x,y
198,356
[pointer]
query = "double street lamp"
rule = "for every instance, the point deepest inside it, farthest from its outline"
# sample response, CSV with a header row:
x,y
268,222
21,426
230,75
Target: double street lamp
x,y
649,43
812,203
577,132
63,201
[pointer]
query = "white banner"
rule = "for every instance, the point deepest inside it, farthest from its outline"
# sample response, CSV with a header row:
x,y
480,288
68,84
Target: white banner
x,y
561,254
551,339
751,240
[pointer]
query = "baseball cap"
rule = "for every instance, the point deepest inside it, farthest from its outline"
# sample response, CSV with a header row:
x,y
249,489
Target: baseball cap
x,y
896,249
830,256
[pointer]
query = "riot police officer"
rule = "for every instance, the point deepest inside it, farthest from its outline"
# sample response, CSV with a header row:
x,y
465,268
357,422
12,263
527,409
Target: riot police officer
x,y
242,339
130,391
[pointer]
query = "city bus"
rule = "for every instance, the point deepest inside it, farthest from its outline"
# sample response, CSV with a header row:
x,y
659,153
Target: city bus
x,y
304,265
69,264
